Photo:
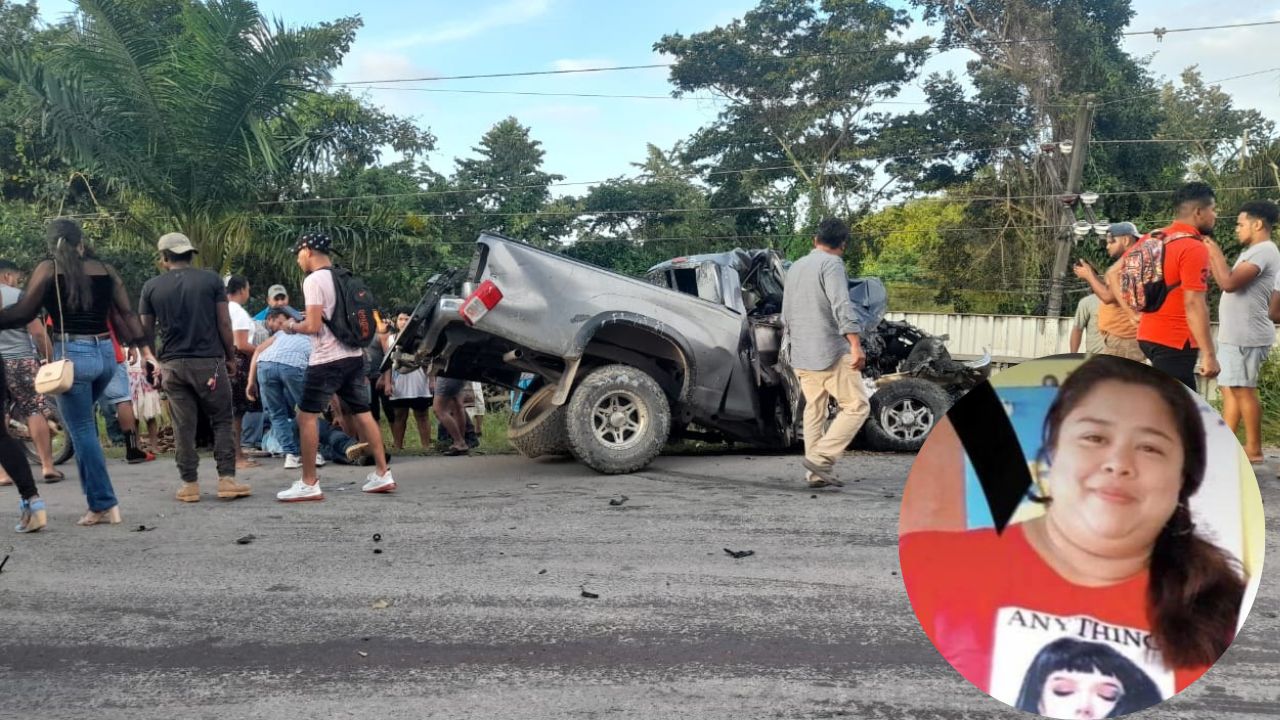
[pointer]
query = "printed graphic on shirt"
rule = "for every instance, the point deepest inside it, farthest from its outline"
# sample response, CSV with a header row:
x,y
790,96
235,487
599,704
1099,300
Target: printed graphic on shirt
x,y
1075,666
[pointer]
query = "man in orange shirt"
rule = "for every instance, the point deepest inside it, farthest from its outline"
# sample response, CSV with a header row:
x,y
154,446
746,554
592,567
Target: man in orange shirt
x,y
1174,336
1116,321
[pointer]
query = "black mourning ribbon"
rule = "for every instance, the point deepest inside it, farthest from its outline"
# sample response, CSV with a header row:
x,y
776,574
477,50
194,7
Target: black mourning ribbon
x,y
987,434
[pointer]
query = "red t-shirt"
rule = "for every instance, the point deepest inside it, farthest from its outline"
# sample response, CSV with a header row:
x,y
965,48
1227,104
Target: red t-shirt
x,y
991,605
1186,261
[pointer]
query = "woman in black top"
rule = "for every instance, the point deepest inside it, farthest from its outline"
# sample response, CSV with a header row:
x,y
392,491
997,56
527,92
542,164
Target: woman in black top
x,y
80,293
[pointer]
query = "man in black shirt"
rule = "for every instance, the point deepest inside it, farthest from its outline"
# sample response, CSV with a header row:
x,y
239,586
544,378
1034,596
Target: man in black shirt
x,y
188,306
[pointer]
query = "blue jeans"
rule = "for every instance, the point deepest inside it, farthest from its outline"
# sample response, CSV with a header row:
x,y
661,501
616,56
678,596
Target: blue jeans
x,y
334,443
252,429
281,389
95,364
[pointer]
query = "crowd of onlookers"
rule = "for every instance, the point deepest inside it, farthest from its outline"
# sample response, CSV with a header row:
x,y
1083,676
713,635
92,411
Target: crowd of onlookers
x,y
191,369
1175,335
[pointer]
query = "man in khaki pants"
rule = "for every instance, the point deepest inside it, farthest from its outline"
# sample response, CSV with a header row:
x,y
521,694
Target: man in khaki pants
x,y
826,355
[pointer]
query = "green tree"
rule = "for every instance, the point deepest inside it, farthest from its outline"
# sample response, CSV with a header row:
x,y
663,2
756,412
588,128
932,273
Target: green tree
x,y
506,189
186,111
800,78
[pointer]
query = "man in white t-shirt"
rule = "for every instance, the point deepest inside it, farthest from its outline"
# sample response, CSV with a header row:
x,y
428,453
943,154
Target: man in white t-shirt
x,y
1245,332
333,369
242,330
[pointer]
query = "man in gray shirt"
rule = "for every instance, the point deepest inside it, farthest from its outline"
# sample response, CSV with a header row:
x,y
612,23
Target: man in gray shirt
x,y
1245,332
825,352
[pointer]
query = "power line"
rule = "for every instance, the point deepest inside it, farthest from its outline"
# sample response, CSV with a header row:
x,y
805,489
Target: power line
x,y
938,45
1207,82
694,175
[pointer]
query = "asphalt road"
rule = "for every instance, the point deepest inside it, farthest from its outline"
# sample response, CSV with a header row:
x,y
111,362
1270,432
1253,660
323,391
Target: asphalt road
x,y
483,565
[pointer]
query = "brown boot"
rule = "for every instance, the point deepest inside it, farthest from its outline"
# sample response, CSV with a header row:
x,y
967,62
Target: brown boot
x,y
229,489
189,492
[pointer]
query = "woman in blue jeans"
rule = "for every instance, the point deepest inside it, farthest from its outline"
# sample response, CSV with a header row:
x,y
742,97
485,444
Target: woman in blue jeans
x,y
79,293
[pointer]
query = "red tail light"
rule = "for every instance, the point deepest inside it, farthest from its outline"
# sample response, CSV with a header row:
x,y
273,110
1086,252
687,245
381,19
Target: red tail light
x,y
485,298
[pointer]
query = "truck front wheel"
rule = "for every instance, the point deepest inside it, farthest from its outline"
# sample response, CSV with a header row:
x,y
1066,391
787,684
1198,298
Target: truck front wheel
x,y
902,414
618,419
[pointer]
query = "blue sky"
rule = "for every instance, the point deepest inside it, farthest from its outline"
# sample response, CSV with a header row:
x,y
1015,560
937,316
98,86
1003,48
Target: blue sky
x,y
588,139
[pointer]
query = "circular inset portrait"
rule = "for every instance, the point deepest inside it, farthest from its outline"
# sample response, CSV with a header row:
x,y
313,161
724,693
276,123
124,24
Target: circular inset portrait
x,y
1081,549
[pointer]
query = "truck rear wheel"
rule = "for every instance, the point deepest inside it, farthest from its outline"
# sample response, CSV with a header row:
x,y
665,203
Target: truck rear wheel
x,y
903,413
538,429
618,419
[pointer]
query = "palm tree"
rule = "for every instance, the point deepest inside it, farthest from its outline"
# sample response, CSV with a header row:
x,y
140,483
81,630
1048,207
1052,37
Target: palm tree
x,y
185,104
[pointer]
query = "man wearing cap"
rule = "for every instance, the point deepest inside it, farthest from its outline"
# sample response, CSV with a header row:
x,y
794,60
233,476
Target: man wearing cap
x,y
333,369
277,297
186,308
1117,322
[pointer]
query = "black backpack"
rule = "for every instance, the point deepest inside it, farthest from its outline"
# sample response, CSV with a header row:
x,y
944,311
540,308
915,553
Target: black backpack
x,y
353,322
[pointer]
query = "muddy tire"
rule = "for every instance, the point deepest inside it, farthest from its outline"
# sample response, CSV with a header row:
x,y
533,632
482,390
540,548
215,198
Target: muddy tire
x,y
538,429
902,414
618,419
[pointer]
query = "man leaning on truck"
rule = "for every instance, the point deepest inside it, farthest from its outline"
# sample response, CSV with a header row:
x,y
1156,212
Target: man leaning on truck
x,y
822,331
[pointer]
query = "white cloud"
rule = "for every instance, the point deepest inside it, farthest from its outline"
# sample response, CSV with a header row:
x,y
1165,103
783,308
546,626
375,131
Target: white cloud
x,y
581,64
379,65
511,12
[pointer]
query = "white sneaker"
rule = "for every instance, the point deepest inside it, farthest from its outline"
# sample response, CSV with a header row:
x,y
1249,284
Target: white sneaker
x,y
320,461
292,462
300,492
379,483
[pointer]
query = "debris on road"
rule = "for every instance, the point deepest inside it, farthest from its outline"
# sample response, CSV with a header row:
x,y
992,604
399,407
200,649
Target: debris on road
x,y
377,551
245,540
2,562
739,554
362,653
543,571
377,537
589,595
144,528
619,500
813,497
381,604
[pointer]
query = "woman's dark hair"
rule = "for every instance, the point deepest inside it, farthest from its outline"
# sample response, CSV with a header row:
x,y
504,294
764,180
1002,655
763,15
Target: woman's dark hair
x,y
1195,589
236,283
1139,691
64,237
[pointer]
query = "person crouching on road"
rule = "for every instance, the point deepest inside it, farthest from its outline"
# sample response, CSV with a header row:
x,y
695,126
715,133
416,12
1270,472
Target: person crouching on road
x,y
826,353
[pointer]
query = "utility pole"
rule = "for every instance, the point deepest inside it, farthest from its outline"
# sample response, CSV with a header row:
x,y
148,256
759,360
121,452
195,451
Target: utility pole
x,y
1075,177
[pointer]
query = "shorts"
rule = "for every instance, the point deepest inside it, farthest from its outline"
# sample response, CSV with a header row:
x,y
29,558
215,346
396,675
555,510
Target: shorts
x,y
417,404
20,381
449,388
1123,347
118,389
344,378
1240,365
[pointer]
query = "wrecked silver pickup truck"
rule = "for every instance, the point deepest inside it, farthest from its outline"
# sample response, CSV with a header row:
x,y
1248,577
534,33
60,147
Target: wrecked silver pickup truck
x,y
623,365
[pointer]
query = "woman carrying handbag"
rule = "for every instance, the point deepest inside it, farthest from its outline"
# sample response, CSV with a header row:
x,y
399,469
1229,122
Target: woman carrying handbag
x,y
79,293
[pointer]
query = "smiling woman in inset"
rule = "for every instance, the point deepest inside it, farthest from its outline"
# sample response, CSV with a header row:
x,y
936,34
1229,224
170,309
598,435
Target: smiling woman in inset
x,y
1077,679
1116,555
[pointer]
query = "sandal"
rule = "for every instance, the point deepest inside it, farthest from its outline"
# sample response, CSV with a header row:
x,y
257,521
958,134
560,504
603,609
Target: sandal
x,y
110,515
54,476
33,516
